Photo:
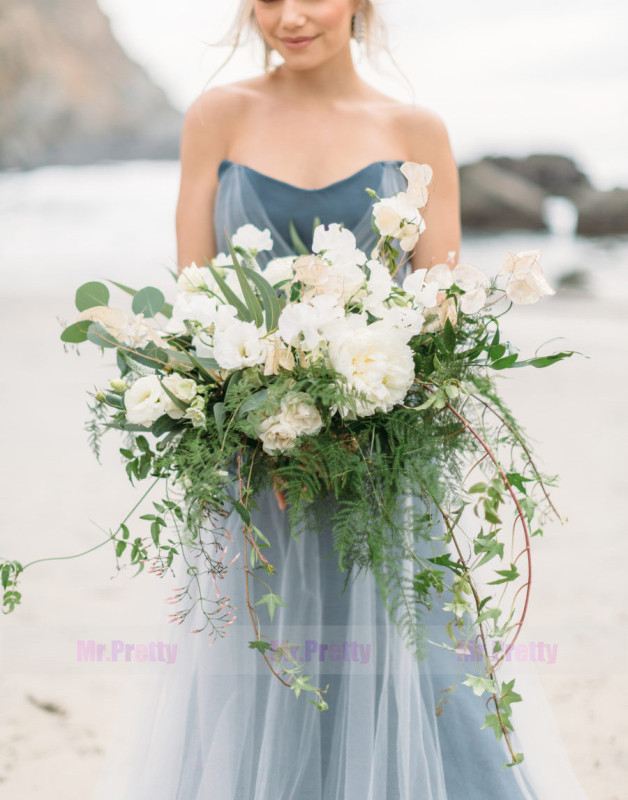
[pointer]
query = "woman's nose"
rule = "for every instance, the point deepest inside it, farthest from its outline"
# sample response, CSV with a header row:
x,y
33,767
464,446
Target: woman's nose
x,y
292,14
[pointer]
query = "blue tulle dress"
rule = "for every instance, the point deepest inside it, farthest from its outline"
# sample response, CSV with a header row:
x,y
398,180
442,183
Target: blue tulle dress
x,y
217,725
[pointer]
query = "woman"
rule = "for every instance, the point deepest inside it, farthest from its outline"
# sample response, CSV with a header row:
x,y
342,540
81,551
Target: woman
x,y
303,141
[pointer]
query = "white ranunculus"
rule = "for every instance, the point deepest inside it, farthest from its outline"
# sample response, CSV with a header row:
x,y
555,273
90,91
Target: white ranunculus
x,y
144,401
338,245
194,279
375,360
239,345
418,177
183,389
526,284
423,293
276,434
250,238
279,269
298,410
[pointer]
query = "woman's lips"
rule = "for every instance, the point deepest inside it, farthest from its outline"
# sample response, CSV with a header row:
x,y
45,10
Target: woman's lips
x,y
298,43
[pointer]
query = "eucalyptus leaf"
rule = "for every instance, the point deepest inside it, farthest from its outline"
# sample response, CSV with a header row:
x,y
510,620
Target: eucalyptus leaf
x,y
90,295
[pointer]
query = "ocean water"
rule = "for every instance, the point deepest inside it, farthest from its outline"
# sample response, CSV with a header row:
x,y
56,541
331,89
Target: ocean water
x,y
61,226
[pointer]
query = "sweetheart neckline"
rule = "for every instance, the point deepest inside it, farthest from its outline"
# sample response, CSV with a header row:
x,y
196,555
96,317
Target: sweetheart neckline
x,y
228,161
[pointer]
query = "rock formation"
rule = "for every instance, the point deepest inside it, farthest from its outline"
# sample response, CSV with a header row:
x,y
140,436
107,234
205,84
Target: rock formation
x,y
68,92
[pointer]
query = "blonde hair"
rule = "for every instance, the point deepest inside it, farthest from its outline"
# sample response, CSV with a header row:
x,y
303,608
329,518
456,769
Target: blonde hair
x,y
245,23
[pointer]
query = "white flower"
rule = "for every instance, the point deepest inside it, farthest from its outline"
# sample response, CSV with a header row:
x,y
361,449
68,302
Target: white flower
x,y
423,293
196,306
194,279
375,360
338,245
250,238
129,330
222,260
393,213
379,285
276,434
239,345
182,388
470,279
279,269
527,283
144,401
418,177
408,320
302,323
196,415
278,355
136,333
301,414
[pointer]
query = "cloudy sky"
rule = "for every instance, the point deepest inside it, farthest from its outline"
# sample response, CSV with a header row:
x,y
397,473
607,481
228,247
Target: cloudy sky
x,y
507,78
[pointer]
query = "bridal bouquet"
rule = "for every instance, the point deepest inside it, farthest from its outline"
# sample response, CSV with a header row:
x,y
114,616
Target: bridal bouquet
x,y
325,377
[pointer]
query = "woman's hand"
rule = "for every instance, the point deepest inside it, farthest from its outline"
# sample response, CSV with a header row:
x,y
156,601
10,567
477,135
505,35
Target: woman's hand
x,y
281,500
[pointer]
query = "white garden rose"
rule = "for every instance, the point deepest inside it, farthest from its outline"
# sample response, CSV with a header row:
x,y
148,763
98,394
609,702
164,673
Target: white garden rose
x,y
526,284
250,238
303,323
375,360
276,434
239,345
183,389
298,410
310,270
144,401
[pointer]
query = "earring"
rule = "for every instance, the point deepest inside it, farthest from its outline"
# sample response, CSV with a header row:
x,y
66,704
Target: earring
x,y
358,27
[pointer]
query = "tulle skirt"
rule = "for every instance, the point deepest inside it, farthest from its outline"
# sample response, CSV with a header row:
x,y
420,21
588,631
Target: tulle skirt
x,y
217,724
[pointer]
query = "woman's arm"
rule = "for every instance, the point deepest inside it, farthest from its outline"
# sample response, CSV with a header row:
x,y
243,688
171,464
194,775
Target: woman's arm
x,y
203,145
429,144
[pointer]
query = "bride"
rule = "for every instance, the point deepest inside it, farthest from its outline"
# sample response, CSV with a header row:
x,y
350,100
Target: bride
x,y
301,142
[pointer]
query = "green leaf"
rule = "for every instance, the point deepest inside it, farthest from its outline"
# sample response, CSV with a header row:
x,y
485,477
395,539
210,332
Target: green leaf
x,y
297,242
242,511
492,721
272,304
230,296
176,400
124,288
219,416
507,575
545,361
479,684
250,298
496,352
518,481
254,401
261,646
148,301
504,363
449,336
271,600
90,295
100,336
77,332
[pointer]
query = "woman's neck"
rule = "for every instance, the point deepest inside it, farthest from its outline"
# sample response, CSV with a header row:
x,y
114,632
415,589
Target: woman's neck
x,y
335,79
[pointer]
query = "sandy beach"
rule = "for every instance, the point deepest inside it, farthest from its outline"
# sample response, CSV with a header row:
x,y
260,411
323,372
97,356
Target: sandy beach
x,y
58,715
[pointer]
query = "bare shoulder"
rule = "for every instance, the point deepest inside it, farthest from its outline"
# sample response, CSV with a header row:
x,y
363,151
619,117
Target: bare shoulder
x,y
425,133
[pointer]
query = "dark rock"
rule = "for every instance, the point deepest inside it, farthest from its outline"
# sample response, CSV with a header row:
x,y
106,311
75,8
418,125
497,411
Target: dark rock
x,y
602,213
494,199
555,174
69,93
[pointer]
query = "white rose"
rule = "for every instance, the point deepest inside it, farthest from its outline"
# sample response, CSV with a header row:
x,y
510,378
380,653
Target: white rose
x,y
144,401
239,345
276,434
526,284
311,271
302,415
377,361
250,238
183,389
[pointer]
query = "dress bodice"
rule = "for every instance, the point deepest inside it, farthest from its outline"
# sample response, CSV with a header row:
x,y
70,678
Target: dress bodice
x,y
247,196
